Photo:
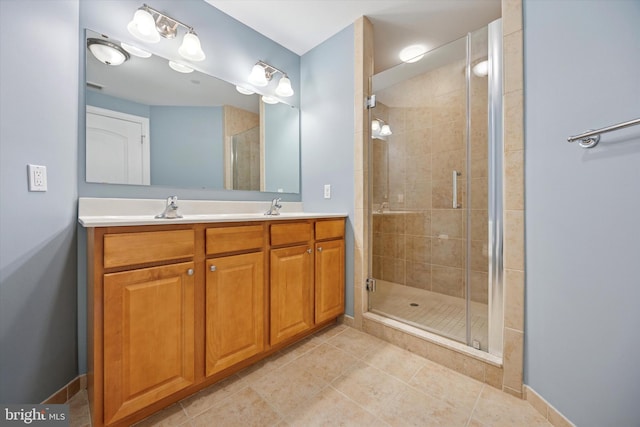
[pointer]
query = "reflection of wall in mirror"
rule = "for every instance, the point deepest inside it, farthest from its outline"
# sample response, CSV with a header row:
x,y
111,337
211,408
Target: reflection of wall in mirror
x,y
186,142
282,148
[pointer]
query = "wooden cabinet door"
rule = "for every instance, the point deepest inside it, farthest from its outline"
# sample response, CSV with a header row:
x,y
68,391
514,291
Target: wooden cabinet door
x,y
234,310
329,283
148,337
291,292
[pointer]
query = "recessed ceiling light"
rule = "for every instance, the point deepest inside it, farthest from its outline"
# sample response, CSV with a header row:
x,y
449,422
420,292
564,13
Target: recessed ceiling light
x,y
413,53
481,69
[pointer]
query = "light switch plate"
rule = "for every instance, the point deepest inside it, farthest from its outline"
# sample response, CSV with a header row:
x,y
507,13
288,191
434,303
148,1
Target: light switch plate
x,y
327,191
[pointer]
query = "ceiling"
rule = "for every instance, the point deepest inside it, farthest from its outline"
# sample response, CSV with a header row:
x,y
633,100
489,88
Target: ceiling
x,y
300,25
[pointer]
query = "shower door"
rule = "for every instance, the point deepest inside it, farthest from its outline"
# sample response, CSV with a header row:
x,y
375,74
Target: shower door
x,y
430,163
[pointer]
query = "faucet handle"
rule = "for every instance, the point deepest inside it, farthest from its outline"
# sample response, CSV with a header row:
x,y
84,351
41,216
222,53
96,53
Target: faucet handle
x,y
172,201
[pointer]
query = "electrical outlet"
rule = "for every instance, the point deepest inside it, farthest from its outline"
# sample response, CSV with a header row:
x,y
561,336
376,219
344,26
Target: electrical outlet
x,y
327,191
37,177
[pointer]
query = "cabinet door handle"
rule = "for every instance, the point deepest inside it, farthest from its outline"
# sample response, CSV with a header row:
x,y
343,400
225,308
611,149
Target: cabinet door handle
x,y
190,272
212,268
320,249
309,250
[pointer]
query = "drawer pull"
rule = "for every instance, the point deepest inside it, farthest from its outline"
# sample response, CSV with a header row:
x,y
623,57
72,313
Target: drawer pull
x,y
190,272
309,250
212,268
320,249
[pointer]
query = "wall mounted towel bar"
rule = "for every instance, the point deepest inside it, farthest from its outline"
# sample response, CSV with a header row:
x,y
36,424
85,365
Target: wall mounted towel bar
x,y
591,138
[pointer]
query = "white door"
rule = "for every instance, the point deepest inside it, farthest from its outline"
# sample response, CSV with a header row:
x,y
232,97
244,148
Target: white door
x,y
117,147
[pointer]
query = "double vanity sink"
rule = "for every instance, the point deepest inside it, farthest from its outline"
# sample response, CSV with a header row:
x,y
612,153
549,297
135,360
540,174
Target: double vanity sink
x,y
177,304
105,212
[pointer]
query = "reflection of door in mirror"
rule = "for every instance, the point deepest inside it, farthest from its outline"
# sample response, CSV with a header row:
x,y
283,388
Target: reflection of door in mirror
x,y
117,147
246,160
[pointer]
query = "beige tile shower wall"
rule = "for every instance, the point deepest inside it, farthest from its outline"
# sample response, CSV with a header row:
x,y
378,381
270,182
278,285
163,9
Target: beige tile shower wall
x,y
235,121
363,70
514,284
425,245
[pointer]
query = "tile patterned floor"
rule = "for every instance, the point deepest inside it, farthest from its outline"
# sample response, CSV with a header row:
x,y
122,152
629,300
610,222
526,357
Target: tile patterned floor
x,y
341,377
436,312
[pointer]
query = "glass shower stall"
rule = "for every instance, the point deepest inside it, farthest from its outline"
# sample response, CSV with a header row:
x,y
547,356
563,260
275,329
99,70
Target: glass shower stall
x,y
435,183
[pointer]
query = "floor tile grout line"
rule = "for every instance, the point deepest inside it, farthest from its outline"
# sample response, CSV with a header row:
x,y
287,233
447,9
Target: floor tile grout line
x,y
475,404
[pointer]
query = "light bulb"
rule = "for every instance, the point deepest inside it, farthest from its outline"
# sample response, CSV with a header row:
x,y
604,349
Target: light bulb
x,y
284,87
385,130
258,76
375,125
269,99
181,68
143,27
190,48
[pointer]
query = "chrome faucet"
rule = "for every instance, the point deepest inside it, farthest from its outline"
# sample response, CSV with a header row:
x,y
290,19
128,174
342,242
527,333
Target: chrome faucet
x,y
275,207
171,210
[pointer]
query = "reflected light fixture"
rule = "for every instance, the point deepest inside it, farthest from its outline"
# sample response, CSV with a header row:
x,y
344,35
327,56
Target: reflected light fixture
x,y
107,52
269,99
380,128
262,73
135,51
481,69
244,90
181,68
148,24
413,53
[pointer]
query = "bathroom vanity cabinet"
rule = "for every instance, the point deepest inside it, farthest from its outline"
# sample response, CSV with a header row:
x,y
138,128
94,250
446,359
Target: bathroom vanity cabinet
x,y
175,308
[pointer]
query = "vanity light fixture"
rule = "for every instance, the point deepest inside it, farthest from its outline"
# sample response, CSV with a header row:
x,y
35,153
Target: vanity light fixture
x,y
148,24
262,73
107,52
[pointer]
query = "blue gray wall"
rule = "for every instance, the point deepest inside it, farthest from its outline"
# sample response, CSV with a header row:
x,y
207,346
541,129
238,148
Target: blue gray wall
x,y
327,129
582,222
186,147
100,100
39,115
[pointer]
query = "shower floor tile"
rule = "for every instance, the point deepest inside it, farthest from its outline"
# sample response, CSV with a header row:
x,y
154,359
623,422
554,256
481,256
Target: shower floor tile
x,y
435,312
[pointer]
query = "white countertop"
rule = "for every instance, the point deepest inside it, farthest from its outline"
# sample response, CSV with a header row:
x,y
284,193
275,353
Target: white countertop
x,y
106,212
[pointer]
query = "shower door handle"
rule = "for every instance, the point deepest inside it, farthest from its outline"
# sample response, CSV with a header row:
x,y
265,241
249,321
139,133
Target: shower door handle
x,y
455,203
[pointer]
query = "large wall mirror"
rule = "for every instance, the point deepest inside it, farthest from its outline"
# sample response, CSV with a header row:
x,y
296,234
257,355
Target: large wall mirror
x,y
148,123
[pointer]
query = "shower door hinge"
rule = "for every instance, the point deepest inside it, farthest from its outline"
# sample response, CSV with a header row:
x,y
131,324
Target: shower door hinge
x,y
370,284
371,102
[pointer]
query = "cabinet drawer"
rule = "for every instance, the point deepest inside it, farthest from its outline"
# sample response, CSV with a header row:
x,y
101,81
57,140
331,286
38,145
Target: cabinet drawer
x,y
233,239
285,234
331,229
139,248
